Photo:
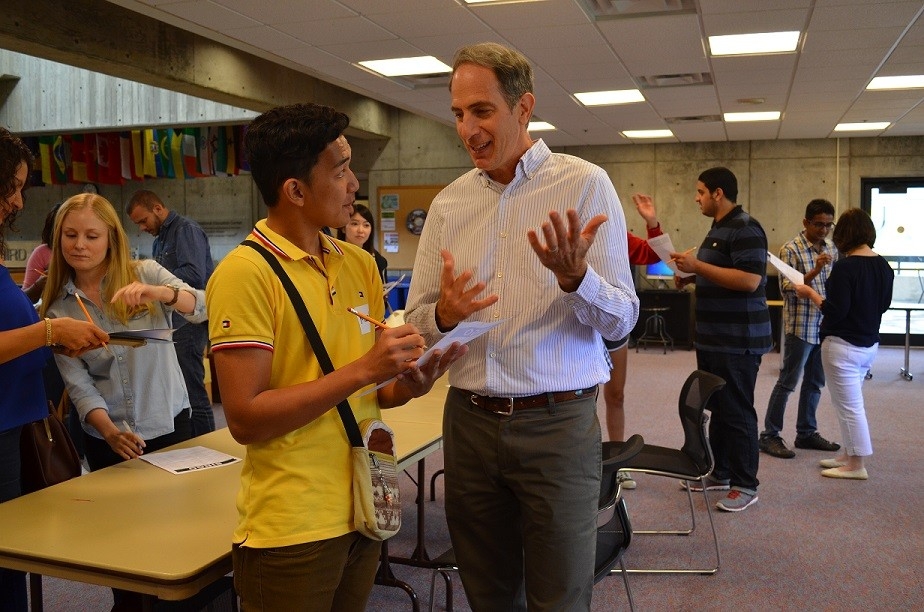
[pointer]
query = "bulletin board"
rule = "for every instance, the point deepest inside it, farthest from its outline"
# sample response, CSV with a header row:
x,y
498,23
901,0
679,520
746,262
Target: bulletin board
x,y
401,211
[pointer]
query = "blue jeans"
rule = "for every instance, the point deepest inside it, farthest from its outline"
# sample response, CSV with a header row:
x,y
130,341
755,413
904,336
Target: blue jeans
x,y
800,358
190,342
733,426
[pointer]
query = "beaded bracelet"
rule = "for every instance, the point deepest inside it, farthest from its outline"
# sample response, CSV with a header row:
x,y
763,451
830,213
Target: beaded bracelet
x,y
48,338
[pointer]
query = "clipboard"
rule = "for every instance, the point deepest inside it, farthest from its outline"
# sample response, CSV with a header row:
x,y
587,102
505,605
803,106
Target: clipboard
x,y
139,337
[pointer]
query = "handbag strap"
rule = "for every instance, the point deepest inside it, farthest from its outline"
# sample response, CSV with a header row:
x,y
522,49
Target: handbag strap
x,y
317,345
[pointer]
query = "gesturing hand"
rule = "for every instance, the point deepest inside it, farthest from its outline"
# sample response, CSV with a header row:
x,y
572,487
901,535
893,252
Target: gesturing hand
x,y
135,294
456,302
565,249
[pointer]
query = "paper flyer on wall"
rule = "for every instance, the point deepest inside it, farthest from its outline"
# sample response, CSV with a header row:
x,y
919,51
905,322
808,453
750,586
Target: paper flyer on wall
x,y
794,276
185,460
663,246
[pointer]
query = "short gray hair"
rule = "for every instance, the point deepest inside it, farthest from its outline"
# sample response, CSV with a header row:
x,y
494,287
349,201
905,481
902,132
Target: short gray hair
x,y
511,67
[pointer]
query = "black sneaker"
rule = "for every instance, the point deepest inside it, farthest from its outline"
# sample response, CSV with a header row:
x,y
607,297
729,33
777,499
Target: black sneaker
x,y
775,447
816,442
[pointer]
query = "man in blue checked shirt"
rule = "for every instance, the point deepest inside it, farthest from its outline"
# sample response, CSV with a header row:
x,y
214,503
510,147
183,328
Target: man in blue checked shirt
x,y
809,253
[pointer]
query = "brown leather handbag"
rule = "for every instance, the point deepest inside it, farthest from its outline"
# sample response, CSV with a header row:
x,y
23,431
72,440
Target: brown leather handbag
x,y
47,452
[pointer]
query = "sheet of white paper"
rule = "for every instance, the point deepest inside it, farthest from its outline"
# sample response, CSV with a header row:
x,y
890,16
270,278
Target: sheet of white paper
x,y
184,460
794,276
463,333
663,246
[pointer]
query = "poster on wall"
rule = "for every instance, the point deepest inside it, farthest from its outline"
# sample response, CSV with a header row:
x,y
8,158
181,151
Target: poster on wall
x,y
389,202
390,242
387,220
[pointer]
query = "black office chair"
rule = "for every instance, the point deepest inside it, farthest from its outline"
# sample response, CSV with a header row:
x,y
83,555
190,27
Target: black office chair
x,y
692,462
614,532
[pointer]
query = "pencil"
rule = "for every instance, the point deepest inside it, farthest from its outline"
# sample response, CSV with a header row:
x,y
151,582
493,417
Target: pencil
x,y
86,313
687,252
378,324
39,272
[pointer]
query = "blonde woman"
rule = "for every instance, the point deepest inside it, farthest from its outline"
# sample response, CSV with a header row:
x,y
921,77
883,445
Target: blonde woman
x,y
130,400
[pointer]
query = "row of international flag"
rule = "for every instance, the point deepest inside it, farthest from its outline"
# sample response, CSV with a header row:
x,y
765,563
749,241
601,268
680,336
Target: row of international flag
x,y
111,158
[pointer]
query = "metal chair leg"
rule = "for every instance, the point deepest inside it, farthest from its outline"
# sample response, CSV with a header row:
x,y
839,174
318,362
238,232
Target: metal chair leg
x,y
715,539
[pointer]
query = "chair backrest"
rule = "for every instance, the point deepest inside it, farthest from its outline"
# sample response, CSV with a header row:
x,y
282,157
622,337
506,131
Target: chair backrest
x,y
694,400
613,538
613,529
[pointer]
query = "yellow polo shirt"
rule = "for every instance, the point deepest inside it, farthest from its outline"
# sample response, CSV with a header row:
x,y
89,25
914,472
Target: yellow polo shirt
x,y
297,488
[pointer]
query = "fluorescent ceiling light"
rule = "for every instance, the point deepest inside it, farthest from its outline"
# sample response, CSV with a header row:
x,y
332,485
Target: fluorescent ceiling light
x,y
539,126
602,98
647,134
861,127
754,44
910,81
407,66
762,116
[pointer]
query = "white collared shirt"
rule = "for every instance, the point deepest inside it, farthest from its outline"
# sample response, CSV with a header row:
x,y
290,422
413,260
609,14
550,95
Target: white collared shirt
x,y
551,339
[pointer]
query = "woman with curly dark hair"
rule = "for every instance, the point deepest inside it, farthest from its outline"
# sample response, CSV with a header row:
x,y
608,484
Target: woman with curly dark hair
x,y
26,343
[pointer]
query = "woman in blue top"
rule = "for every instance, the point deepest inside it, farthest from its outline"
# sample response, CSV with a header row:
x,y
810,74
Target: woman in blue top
x,y
25,346
859,290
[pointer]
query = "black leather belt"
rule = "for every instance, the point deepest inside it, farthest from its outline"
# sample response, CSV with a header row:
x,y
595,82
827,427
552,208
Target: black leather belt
x,y
506,405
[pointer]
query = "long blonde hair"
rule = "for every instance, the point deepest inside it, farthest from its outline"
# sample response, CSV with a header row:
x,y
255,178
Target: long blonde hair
x,y
120,269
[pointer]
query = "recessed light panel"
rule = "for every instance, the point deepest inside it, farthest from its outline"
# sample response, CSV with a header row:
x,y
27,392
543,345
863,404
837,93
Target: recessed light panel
x,y
637,134
869,126
911,81
763,116
406,66
603,98
754,44
539,126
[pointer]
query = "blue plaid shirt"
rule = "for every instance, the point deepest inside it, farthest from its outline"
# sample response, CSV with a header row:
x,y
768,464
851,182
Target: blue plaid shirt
x,y
800,317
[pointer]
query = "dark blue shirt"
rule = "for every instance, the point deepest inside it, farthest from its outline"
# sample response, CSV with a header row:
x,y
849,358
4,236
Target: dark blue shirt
x,y
859,290
23,397
729,321
182,247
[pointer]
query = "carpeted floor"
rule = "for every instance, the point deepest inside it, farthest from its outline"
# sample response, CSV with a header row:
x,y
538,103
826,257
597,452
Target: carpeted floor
x,y
808,543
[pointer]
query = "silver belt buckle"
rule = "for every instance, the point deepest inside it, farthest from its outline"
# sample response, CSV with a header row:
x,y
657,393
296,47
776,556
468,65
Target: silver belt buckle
x,y
509,410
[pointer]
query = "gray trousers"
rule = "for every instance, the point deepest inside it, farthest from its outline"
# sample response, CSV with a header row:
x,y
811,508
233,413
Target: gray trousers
x,y
521,503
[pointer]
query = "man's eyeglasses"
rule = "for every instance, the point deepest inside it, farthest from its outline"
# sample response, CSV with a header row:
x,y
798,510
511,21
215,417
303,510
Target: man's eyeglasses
x,y
821,225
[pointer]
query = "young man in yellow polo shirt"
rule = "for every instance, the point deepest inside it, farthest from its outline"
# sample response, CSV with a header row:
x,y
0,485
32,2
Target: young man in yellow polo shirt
x,y
295,545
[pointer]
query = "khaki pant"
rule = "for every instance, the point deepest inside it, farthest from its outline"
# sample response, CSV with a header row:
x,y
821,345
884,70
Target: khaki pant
x,y
521,503
334,574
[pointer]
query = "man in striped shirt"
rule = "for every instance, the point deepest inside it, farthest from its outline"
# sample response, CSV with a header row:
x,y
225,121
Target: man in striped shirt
x,y
810,254
732,330
536,240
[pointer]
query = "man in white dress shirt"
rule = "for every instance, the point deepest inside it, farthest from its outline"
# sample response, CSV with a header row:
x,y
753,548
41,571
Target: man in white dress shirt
x,y
540,240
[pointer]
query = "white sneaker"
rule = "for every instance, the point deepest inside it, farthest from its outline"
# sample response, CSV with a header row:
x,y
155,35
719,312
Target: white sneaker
x,y
625,481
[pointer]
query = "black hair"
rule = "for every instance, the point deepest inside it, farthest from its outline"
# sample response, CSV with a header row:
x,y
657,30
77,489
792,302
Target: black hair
x,y
285,142
13,152
819,206
363,211
721,178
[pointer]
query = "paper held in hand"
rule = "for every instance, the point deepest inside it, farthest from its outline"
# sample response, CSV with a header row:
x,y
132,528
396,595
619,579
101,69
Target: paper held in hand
x,y
663,246
463,333
793,275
